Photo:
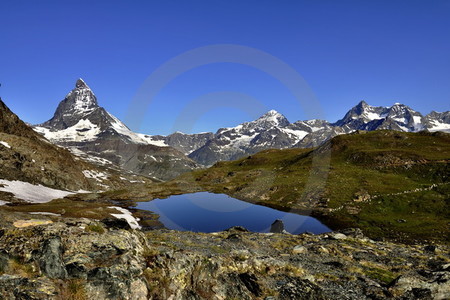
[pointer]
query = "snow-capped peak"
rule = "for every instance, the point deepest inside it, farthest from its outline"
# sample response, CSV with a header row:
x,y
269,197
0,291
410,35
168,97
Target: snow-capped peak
x,y
402,109
82,97
272,118
272,112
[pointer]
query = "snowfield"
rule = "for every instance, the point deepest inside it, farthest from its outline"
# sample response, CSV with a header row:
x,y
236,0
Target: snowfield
x,y
30,192
84,130
438,126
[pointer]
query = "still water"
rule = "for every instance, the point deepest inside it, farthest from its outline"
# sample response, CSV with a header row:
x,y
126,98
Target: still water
x,y
207,212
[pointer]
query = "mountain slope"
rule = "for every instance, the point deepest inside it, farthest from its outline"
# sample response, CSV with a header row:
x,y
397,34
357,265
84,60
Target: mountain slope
x,y
373,180
80,124
271,130
28,157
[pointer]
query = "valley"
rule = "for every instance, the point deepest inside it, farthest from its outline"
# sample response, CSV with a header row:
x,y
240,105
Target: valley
x,y
76,221
225,150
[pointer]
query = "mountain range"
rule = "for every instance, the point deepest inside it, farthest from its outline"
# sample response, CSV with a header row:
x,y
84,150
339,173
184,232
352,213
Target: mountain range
x,y
91,132
273,130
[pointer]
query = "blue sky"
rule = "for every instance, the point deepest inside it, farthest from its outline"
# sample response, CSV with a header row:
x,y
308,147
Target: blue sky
x,y
380,51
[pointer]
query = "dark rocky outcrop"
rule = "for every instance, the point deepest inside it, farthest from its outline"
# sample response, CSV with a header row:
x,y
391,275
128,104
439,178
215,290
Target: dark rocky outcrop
x,y
277,226
51,262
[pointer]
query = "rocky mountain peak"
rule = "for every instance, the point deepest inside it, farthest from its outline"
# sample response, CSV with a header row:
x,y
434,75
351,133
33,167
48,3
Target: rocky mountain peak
x,y
272,118
363,105
81,99
78,104
272,112
81,84
400,108
362,112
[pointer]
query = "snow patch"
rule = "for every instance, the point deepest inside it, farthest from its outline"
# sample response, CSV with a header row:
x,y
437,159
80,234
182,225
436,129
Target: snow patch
x,y
438,126
418,126
152,140
401,120
373,116
30,192
298,134
84,130
127,216
403,128
5,144
99,176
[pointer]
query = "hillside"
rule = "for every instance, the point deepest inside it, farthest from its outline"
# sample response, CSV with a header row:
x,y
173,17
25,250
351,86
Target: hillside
x,y
390,184
28,160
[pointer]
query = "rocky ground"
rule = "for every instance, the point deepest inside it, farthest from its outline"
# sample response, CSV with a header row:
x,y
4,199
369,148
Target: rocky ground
x,y
50,257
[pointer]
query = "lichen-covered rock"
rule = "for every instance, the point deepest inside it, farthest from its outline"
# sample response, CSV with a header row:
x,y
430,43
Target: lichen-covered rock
x,y
72,259
105,265
51,260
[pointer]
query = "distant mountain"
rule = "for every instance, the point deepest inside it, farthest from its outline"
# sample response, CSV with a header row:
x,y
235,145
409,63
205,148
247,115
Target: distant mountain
x,y
273,130
397,117
26,156
186,143
91,132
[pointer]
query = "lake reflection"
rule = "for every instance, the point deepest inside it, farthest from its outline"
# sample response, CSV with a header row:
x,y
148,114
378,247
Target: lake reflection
x,y
207,212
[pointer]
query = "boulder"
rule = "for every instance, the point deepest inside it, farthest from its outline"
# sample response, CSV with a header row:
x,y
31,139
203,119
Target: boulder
x,y
51,261
277,227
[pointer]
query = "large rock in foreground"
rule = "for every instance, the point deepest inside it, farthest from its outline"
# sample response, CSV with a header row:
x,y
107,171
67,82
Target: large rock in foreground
x,y
83,259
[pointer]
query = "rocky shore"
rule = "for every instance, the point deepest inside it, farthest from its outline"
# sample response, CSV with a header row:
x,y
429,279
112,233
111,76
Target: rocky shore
x,y
50,257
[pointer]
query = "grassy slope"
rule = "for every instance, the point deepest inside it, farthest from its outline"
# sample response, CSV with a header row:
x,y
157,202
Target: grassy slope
x,y
380,164
328,182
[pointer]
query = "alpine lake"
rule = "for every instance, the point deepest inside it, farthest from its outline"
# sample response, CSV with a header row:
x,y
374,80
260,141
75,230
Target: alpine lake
x,y
208,212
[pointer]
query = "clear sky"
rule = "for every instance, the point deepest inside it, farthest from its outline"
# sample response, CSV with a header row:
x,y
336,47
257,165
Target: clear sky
x,y
380,51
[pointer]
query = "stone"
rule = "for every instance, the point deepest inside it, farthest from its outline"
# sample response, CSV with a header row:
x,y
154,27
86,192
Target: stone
x,y
51,261
116,223
27,223
4,259
238,228
430,248
161,264
299,249
277,226
353,232
250,281
337,236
